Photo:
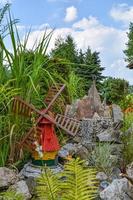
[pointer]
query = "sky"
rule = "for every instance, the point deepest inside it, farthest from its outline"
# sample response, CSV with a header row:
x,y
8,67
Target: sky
x,y
100,24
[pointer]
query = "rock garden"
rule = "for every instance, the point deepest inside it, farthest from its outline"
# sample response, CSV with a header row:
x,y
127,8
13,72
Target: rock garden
x,y
66,132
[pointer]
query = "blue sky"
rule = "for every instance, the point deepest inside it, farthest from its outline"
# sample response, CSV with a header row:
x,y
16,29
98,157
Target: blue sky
x,y
100,24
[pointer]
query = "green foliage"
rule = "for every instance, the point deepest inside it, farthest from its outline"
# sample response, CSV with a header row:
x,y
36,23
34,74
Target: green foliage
x,y
129,50
65,49
90,68
79,183
6,94
128,148
128,139
128,121
100,158
127,102
75,87
115,89
48,186
85,65
3,25
11,195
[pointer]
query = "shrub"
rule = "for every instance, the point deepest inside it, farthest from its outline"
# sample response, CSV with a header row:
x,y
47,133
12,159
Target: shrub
x,y
100,158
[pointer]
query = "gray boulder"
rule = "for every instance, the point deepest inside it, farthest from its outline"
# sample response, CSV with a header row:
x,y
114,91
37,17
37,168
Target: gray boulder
x,y
117,113
81,152
7,177
101,176
67,149
108,136
119,189
21,187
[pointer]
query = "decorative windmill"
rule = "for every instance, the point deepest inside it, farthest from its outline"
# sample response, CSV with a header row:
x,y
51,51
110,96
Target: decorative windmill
x,y
41,139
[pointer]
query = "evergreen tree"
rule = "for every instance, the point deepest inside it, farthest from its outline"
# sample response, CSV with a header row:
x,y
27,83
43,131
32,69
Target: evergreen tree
x,y
64,56
91,68
129,50
81,57
65,49
115,89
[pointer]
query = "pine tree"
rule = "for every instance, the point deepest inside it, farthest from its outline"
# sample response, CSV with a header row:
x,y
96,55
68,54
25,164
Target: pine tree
x,y
90,69
115,89
65,49
81,57
129,50
64,56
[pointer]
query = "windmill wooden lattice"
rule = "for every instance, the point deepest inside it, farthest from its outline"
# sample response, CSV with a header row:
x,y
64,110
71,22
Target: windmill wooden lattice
x,y
41,139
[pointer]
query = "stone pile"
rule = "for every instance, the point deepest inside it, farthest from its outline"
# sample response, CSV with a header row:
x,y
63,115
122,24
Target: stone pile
x,y
10,180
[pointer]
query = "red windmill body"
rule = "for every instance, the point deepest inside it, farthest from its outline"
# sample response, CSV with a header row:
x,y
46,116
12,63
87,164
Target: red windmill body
x,y
41,140
49,140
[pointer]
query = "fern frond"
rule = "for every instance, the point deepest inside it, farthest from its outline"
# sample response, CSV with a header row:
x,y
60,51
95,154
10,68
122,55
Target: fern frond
x,y
12,195
80,183
47,186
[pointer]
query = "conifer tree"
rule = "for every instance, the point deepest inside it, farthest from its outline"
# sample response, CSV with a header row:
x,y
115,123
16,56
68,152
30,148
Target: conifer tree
x,y
91,68
129,50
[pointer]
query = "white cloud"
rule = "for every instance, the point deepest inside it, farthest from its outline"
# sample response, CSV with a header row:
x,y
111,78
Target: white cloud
x,y
123,13
90,32
5,1
86,23
71,14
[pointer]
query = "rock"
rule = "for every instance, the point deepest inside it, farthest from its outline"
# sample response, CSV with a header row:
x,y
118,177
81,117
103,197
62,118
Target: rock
x,y
130,170
77,139
21,188
108,136
96,116
115,173
85,108
81,152
71,110
7,177
104,184
107,111
117,113
86,131
31,183
101,176
63,153
119,189
67,149
30,170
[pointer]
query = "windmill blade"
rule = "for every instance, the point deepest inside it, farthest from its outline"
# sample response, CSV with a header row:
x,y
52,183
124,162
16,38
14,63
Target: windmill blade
x,y
70,125
29,139
21,107
53,94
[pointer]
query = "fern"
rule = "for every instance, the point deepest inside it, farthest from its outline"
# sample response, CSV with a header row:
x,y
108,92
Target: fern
x,y
48,186
79,183
12,195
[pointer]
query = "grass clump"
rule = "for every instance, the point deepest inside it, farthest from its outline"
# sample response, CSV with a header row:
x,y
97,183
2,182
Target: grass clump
x,y
101,158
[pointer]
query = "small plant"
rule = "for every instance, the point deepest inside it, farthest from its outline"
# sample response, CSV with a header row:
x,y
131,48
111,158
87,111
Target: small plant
x,y
78,183
128,121
100,158
11,195
128,148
